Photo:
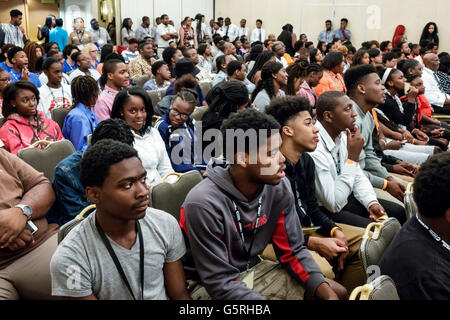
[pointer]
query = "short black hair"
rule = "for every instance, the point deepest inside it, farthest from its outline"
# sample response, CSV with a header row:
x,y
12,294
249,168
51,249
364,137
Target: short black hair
x,y
48,63
59,22
248,119
15,13
68,50
444,65
431,186
52,53
10,93
389,56
98,158
259,20
121,99
168,53
327,102
12,52
115,129
286,108
411,77
407,64
110,66
133,41
158,64
344,19
143,43
332,59
234,66
355,75
374,52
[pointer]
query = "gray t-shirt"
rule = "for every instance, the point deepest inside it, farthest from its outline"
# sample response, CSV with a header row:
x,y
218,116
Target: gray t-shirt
x,y
81,265
262,99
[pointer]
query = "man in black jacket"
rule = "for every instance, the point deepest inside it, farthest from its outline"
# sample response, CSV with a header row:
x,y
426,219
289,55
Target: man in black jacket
x,y
337,243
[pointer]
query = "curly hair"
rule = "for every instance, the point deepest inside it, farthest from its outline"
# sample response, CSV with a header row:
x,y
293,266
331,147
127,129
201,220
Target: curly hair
x,y
248,119
84,90
295,71
10,93
98,158
431,191
185,81
286,108
30,49
266,82
115,129
122,98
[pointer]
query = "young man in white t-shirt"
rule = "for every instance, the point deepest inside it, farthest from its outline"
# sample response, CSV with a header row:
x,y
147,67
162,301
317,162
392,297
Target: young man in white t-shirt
x,y
124,250
165,33
55,93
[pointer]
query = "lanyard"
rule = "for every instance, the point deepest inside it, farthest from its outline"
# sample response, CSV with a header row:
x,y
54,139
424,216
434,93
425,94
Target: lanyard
x,y
238,219
116,260
434,235
14,75
80,38
299,202
337,162
334,83
54,98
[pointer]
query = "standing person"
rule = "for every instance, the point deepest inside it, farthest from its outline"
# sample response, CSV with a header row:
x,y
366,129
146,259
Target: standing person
x,y
259,197
144,30
430,33
243,29
161,77
187,35
115,76
343,33
14,33
230,30
59,35
80,37
5,79
258,34
273,78
81,121
84,67
19,60
142,64
145,244
25,124
44,32
126,32
399,35
326,35
54,94
333,65
101,36
288,37
165,33
200,29
69,64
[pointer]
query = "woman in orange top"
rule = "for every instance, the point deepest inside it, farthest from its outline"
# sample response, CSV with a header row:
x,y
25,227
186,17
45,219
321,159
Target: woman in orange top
x,y
333,65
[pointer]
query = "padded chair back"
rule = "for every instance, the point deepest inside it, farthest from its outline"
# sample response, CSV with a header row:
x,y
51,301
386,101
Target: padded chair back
x,y
199,112
170,196
2,122
58,115
373,245
142,80
68,226
206,87
45,160
410,205
382,288
155,96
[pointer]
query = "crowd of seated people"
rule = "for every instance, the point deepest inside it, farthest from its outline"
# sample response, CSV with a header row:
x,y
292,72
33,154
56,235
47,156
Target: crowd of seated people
x,y
340,130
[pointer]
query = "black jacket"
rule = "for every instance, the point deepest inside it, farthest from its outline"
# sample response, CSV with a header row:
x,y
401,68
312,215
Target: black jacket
x,y
392,111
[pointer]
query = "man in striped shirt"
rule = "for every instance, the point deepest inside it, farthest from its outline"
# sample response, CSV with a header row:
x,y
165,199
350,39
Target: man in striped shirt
x,y
14,33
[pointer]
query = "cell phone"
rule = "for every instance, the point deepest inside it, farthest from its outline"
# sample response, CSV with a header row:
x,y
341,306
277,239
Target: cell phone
x,y
407,86
32,227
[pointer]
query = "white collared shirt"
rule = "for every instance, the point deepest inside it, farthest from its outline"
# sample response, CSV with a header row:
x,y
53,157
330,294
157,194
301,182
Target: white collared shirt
x,y
232,31
433,93
255,35
333,190
243,32
282,61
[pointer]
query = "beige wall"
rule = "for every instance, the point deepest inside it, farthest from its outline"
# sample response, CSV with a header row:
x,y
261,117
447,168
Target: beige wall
x,y
309,16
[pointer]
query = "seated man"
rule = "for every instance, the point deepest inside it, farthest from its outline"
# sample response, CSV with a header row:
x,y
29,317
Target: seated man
x,y
132,50
337,243
71,198
142,259
343,190
222,64
25,196
244,204
142,64
161,77
366,91
19,60
418,259
192,54
238,71
438,99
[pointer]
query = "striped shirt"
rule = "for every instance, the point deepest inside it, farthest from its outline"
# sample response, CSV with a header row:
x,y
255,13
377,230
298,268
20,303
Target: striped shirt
x,y
13,35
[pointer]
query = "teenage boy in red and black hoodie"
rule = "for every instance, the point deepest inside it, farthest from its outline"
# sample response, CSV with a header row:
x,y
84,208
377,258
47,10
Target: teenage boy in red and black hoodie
x,y
246,189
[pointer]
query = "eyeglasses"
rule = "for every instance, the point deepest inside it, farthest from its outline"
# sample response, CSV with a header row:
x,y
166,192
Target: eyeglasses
x,y
183,116
5,79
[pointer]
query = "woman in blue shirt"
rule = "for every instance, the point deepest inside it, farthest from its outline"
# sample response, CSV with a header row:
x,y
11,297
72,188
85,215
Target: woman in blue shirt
x,y
81,120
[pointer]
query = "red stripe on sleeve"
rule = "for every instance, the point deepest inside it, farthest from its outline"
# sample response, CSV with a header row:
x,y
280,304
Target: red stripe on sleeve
x,y
182,222
280,239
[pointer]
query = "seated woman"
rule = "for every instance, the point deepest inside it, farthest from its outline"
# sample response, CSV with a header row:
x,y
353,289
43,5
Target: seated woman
x,y
187,81
361,57
84,67
177,131
443,74
4,81
333,67
296,76
314,72
273,78
81,121
91,51
25,125
255,74
133,105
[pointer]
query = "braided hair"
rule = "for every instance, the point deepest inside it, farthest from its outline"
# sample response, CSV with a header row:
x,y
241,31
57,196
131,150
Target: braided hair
x,y
266,82
295,71
84,90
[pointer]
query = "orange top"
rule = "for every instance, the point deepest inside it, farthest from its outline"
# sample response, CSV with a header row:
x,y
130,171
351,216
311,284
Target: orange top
x,y
330,82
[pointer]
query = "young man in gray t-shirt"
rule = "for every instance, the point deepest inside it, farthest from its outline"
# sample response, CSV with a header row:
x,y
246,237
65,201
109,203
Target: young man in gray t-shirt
x,y
124,250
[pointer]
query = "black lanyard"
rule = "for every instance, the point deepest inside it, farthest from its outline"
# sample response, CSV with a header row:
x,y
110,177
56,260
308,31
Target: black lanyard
x,y
299,202
80,38
434,234
238,219
117,262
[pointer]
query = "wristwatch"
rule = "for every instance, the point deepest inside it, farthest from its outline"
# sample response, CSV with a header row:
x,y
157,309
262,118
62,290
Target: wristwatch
x,y
26,210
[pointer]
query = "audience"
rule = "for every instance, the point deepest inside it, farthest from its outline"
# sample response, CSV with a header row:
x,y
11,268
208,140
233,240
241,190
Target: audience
x,y
313,74
255,74
134,106
25,124
171,56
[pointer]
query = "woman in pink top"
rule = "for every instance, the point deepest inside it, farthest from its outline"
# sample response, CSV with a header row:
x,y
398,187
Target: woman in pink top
x,y
314,72
25,125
